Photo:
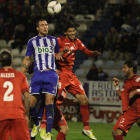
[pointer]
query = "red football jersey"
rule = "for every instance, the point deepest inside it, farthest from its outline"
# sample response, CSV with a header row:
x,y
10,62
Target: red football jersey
x,y
12,84
130,84
69,57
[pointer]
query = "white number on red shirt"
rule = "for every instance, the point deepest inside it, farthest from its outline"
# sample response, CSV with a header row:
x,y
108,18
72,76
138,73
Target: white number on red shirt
x,y
8,97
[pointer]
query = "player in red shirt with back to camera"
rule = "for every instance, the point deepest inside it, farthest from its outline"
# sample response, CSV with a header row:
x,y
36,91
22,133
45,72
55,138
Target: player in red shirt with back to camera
x,y
130,96
67,79
13,110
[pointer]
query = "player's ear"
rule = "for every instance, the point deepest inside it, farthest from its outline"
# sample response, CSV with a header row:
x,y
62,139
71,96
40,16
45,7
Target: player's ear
x,y
37,28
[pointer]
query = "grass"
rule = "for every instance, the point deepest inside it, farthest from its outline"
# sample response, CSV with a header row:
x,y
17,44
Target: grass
x,y
101,131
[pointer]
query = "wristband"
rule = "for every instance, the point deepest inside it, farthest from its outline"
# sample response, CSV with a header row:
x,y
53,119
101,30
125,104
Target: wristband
x,y
138,90
117,87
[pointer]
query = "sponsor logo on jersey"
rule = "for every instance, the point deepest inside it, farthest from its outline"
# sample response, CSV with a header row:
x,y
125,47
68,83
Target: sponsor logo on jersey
x,y
43,49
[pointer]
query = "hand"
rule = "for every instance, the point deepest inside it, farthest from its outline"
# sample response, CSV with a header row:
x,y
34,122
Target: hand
x,y
27,119
132,93
66,49
58,72
59,57
95,53
115,81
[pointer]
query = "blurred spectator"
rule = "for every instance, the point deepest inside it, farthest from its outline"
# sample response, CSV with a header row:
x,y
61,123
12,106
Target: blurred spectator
x,y
36,10
129,20
135,10
114,52
92,73
137,54
125,46
14,8
2,27
111,38
100,41
92,45
124,9
117,21
26,7
21,38
134,40
102,76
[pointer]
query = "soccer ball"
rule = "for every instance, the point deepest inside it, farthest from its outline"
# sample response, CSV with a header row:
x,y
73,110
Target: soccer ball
x,y
54,8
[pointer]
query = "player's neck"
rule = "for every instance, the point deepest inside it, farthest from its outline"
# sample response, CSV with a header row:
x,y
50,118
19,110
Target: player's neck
x,y
7,67
131,75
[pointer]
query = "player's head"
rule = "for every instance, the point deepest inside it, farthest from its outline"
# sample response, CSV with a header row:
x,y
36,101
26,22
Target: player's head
x,y
42,27
6,58
129,68
69,31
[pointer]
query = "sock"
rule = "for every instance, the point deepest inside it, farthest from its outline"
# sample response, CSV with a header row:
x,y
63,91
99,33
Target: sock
x,y
49,117
119,137
85,116
60,136
32,138
34,115
43,122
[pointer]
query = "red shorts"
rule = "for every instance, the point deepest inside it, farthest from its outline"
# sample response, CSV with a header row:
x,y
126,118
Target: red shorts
x,y
16,128
70,82
126,120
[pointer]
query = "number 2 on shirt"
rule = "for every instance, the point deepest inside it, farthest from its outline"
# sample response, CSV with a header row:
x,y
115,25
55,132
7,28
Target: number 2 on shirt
x,y
6,96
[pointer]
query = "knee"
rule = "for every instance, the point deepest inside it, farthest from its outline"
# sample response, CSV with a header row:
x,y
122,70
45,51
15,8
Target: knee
x,y
114,133
64,129
84,101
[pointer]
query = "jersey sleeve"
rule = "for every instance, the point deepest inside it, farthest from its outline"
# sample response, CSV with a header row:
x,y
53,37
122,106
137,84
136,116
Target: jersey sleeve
x,y
82,48
25,87
30,48
136,83
56,46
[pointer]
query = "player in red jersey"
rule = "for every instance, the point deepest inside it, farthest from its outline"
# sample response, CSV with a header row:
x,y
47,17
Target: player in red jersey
x,y
13,110
59,121
67,79
130,96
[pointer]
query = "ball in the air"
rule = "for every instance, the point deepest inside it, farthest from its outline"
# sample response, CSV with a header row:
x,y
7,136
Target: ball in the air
x,y
54,8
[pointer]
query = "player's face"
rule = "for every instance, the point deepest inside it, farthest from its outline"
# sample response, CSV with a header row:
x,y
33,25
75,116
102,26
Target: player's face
x,y
126,71
71,33
42,28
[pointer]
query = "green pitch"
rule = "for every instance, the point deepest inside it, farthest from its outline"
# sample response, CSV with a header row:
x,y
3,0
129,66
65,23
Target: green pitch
x,y
101,131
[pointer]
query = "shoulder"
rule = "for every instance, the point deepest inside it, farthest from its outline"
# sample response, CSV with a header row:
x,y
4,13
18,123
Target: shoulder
x,y
32,39
61,38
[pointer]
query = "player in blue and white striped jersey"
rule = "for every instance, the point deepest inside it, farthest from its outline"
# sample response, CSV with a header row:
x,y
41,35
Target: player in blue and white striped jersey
x,y
45,50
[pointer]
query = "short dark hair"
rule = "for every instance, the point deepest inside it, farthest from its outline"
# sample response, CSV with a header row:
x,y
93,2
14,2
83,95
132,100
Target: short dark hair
x,y
37,23
131,64
68,25
5,58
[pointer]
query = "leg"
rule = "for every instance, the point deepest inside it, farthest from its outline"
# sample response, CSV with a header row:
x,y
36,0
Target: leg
x,y
62,132
5,129
82,98
117,134
19,124
33,109
49,101
34,114
77,90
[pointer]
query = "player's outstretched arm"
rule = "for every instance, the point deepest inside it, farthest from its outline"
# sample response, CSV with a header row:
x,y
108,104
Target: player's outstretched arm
x,y
95,53
59,56
116,84
25,63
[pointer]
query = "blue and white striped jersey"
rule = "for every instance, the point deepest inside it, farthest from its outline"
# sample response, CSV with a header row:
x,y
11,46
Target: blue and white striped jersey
x,y
43,50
